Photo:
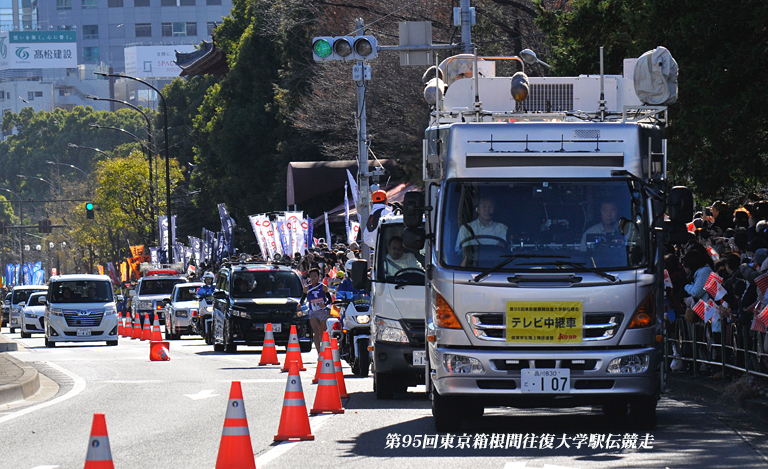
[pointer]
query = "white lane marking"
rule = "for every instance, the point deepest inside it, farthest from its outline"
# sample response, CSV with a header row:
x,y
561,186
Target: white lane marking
x,y
135,381
279,450
79,386
45,467
264,380
204,394
514,465
521,465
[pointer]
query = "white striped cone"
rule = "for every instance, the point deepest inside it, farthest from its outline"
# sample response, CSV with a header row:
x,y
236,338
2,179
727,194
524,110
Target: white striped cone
x,y
294,421
99,455
235,450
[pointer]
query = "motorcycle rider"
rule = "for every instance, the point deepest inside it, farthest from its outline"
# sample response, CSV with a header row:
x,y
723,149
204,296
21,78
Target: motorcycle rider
x,y
345,290
207,289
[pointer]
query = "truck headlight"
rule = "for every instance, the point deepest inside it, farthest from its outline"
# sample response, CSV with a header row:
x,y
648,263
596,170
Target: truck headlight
x,y
388,330
363,319
110,311
55,311
30,316
182,313
462,364
629,364
144,304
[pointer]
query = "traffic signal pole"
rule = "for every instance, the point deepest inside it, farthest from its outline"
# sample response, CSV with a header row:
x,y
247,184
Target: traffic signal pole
x,y
361,74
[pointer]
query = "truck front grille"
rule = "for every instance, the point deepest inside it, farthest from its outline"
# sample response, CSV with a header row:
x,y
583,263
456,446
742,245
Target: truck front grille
x,y
491,326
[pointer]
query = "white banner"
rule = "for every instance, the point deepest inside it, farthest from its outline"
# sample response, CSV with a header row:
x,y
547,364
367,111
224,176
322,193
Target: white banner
x,y
354,230
154,61
266,233
294,220
38,49
353,186
327,231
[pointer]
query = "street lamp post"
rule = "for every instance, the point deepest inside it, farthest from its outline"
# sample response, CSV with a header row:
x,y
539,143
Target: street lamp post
x,y
147,152
21,233
167,154
72,145
53,186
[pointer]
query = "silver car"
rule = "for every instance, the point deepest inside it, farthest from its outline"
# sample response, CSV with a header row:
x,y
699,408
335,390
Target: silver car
x,y
33,315
19,298
180,308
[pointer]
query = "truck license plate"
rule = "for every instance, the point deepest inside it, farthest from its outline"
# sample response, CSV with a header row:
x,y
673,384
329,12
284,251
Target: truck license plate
x,y
419,357
277,327
83,332
546,381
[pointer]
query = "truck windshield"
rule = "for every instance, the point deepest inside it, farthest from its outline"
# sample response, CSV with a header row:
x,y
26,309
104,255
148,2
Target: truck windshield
x,y
80,291
394,262
550,224
187,293
266,284
158,287
21,296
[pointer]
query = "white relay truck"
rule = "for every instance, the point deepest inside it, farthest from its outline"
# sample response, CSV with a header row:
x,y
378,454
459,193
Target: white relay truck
x,y
544,233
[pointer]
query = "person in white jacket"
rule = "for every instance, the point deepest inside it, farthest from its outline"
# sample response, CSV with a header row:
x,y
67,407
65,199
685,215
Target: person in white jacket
x,y
378,209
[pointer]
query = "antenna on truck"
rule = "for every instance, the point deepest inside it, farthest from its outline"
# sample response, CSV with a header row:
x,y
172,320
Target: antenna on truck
x,y
601,106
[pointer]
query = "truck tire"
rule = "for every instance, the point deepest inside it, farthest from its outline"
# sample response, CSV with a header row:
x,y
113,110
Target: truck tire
x,y
305,346
642,412
228,346
444,411
13,329
384,385
111,343
49,344
25,335
363,362
218,347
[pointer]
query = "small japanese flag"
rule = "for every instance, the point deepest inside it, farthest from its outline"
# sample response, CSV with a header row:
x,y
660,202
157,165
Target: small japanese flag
x,y
758,326
691,227
714,286
763,316
712,253
762,283
700,309
711,312
667,280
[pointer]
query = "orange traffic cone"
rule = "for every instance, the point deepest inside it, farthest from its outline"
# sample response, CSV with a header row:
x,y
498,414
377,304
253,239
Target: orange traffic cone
x,y
120,322
337,365
268,350
136,334
99,455
294,421
235,450
323,345
293,351
146,330
327,398
128,329
159,351
157,336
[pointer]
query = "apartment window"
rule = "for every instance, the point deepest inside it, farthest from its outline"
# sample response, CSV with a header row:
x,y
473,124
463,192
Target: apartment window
x,y
213,2
64,92
141,3
143,30
38,94
90,4
187,3
90,54
2,94
115,3
167,3
90,31
63,4
30,95
66,27
179,29
211,26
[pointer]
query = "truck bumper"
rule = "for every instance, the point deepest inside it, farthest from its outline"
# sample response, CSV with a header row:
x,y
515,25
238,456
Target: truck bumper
x,y
397,359
500,381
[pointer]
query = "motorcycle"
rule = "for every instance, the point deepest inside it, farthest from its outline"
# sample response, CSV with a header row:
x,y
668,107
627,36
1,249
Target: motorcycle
x,y
352,330
202,322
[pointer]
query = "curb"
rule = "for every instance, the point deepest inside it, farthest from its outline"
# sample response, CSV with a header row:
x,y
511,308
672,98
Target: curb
x,y
26,386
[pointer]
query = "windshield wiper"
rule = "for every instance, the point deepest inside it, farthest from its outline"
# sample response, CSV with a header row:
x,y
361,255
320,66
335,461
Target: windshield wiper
x,y
509,258
579,266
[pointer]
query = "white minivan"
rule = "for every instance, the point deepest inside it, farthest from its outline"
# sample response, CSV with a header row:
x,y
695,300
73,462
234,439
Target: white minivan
x,y
80,308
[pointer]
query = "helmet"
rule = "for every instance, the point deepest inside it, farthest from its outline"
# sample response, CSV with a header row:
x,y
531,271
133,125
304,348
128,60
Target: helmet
x,y
348,265
208,274
379,197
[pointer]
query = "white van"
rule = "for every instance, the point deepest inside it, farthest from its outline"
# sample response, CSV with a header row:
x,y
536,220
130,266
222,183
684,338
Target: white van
x,y
80,308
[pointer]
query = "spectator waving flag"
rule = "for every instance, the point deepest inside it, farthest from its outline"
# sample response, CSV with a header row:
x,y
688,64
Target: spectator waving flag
x,y
712,253
758,326
700,309
667,280
762,283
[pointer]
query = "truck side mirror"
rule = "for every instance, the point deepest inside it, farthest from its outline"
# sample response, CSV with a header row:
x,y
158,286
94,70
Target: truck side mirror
x,y
359,275
166,301
413,209
680,205
220,295
42,300
413,238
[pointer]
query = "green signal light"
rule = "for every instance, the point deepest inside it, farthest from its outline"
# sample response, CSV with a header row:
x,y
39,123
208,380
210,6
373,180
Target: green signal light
x,y
89,206
322,48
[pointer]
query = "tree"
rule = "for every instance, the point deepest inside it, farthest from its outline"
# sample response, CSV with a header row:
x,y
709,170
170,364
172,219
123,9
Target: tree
x,y
718,125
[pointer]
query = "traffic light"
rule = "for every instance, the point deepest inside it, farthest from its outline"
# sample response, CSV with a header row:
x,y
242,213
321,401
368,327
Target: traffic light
x,y
89,211
327,48
44,226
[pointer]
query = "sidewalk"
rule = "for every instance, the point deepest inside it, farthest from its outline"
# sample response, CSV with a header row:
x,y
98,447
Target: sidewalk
x,y
18,380
715,390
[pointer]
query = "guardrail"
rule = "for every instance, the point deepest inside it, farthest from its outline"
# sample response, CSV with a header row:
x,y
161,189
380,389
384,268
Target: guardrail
x,y
737,347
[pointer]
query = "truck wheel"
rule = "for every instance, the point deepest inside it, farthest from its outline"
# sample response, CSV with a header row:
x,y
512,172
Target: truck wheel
x,y
218,347
363,362
228,347
305,346
383,385
49,344
444,413
25,335
13,329
642,412
111,343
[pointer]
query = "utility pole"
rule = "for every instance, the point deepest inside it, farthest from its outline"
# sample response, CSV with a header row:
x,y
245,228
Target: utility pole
x,y
361,74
